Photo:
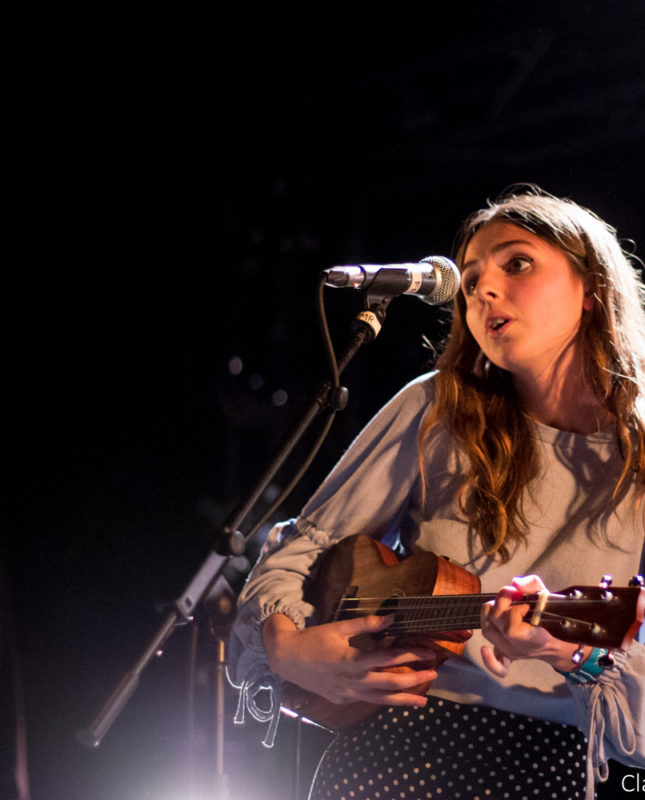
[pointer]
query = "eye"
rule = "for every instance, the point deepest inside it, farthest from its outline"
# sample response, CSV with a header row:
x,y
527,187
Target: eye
x,y
518,264
469,283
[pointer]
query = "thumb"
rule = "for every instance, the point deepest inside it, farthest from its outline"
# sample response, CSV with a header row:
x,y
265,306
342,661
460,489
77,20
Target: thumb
x,y
529,583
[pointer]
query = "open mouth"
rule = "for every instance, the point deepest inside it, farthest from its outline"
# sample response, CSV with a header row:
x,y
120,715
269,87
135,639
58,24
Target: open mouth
x,y
497,324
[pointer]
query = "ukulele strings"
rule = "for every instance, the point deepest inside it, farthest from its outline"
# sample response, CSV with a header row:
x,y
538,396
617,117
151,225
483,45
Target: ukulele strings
x,y
447,624
448,612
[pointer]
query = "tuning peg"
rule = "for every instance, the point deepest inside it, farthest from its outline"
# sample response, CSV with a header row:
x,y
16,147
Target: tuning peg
x,y
605,581
607,660
637,580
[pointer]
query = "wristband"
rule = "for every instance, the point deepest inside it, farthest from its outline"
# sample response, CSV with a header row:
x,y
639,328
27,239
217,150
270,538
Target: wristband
x,y
590,670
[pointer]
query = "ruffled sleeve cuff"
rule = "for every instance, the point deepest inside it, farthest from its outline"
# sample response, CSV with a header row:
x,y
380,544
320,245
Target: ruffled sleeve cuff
x,y
259,689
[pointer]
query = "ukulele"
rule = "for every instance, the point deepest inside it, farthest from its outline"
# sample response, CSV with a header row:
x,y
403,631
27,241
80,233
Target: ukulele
x,y
437,604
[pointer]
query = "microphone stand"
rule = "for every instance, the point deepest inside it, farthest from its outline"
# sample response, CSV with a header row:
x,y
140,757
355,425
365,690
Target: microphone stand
x,y
209,578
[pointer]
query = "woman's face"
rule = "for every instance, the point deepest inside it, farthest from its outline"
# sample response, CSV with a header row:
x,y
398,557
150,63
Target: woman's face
x,y
523,300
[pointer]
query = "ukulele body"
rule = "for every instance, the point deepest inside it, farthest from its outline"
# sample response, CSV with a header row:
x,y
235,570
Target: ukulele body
x,y
355,572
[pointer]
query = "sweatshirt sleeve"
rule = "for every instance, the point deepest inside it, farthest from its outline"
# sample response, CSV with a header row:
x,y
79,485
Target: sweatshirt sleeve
x,y
611,713
367,492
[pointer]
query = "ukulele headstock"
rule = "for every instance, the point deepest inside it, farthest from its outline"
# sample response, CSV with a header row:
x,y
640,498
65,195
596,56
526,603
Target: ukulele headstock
x,y
602,616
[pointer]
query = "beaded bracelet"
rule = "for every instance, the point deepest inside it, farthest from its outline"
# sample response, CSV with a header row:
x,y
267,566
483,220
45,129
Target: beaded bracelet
x,y
590,670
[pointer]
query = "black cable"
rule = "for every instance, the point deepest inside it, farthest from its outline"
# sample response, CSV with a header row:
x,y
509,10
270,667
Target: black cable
x,y
324,329
331,390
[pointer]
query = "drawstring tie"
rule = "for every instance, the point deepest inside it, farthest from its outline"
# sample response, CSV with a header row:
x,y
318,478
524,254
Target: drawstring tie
x,y
606,706
248,691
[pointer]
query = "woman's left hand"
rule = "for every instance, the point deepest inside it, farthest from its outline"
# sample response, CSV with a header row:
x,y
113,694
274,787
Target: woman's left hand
x,y
512,638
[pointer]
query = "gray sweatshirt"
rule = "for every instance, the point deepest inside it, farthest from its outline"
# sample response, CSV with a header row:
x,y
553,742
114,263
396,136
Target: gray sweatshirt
x,y
574,537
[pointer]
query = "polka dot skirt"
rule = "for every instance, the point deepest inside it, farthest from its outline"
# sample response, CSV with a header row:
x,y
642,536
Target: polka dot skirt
x,y
452,751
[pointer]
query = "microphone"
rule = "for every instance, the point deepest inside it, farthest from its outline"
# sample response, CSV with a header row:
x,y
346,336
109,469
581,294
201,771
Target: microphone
x,y
434,280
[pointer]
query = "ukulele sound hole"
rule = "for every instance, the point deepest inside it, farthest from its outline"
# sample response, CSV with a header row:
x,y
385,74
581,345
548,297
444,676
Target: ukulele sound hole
x,y
389,606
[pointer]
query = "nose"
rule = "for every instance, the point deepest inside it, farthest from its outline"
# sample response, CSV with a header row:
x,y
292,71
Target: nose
x,y
490,283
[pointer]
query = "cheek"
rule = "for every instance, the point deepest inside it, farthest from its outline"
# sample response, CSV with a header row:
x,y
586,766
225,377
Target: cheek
x,y
559,310
475,326
572,300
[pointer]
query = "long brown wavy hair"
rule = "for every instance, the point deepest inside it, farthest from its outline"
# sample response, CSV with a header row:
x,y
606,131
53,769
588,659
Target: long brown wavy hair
x,y
477,401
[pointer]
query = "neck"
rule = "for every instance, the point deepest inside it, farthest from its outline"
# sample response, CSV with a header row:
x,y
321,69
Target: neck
x,y
563,402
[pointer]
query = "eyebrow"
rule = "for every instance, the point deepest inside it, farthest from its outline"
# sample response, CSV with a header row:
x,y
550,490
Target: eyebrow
x,y
496,249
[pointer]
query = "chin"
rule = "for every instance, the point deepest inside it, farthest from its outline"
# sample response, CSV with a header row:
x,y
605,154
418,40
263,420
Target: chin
x,y
503,363
511,362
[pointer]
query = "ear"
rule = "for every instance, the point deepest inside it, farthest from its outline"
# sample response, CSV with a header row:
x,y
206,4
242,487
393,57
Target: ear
x,y
588,299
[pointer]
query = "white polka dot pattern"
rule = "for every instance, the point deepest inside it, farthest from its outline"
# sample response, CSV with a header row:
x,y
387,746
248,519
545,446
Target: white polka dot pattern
x,y
452,751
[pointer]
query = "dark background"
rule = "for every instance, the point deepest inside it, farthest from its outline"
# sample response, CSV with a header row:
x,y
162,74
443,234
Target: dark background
x,y
180,183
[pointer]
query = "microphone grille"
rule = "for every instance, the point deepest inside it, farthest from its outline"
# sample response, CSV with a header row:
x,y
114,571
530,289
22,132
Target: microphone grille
x,y
450,280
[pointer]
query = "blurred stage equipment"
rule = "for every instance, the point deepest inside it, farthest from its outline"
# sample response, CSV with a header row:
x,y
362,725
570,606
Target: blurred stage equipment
x,y
435,280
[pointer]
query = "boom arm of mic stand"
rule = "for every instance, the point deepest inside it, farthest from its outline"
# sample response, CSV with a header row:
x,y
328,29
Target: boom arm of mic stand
x,y
92,736
203,579
230,544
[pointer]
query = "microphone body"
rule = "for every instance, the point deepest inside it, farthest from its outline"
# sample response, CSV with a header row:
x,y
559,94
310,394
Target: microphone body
x,y
434,280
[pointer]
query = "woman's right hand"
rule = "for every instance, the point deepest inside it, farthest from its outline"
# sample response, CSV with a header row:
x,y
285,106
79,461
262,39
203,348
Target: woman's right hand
x,y
321,660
